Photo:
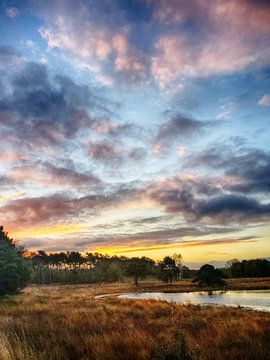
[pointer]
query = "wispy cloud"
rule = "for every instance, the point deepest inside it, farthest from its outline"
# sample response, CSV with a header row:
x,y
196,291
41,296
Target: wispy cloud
x,y
264,100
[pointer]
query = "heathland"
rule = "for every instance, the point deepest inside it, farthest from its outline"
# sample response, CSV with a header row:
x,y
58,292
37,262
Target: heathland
x,y
67,322
58,317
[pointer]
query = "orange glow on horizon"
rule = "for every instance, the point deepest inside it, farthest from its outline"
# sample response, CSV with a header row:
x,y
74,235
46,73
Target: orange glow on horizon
x,y
47,230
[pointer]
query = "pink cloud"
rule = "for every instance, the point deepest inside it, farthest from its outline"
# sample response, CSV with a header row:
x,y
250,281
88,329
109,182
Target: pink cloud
x,y
233,35
182,151
6,157
12,12
120,43
264,100
49,175
93,46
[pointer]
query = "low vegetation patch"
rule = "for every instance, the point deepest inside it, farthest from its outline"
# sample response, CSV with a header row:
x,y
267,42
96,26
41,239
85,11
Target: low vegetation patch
x,y
67,323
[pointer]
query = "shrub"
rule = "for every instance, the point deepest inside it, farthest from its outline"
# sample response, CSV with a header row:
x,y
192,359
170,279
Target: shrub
x,y
14,273
209,276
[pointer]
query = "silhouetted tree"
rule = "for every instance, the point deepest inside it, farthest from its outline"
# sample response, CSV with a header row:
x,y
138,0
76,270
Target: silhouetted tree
x,y
14,273
168,270
178,260
209,276
139,268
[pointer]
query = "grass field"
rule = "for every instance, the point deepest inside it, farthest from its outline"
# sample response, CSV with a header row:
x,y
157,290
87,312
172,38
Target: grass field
x,y
68,323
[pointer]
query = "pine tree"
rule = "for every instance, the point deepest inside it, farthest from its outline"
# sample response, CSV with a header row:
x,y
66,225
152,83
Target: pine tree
x,y
14,272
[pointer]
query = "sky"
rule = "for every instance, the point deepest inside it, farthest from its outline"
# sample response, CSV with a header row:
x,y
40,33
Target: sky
x,y
138,128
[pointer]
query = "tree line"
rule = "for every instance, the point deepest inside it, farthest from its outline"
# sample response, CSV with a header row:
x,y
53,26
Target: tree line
x,y
248,268
18,267
75,267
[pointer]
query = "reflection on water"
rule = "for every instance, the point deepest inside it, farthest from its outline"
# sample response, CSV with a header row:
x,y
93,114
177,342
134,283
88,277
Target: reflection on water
x,y
255,299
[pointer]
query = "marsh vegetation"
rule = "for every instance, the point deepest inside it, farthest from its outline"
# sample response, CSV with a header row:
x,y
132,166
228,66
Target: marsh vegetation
x,y
67,322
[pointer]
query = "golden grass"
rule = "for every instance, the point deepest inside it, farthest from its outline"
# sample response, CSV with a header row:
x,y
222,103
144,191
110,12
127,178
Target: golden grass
x,y
187,285
68,323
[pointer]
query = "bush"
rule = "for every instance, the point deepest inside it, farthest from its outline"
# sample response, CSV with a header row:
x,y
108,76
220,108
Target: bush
x,y
14,273
209,276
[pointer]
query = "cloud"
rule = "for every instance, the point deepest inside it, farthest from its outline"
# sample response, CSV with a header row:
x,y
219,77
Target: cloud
x,y
12,12
137,154
178,127
5,181
253,169
183,40
8,54
39,111
12,156
48,174
105,126
112,152
182,151
168,238
234,208
249,171
147,240
265,100
104,151
206,201
181,194
95,39
210,38
47,210
183,244
64,207
154,237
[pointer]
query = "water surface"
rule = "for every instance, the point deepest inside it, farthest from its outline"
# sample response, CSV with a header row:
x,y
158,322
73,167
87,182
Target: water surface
x,y
253,299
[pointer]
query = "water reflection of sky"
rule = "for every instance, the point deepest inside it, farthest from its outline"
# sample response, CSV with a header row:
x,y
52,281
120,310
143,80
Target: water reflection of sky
x,y
255,299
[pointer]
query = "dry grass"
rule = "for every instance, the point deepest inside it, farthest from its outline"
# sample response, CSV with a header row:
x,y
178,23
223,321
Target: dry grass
x,y
187,285
67,322
249,283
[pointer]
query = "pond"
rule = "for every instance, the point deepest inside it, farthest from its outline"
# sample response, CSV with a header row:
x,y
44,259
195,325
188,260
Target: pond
x,y
253,299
